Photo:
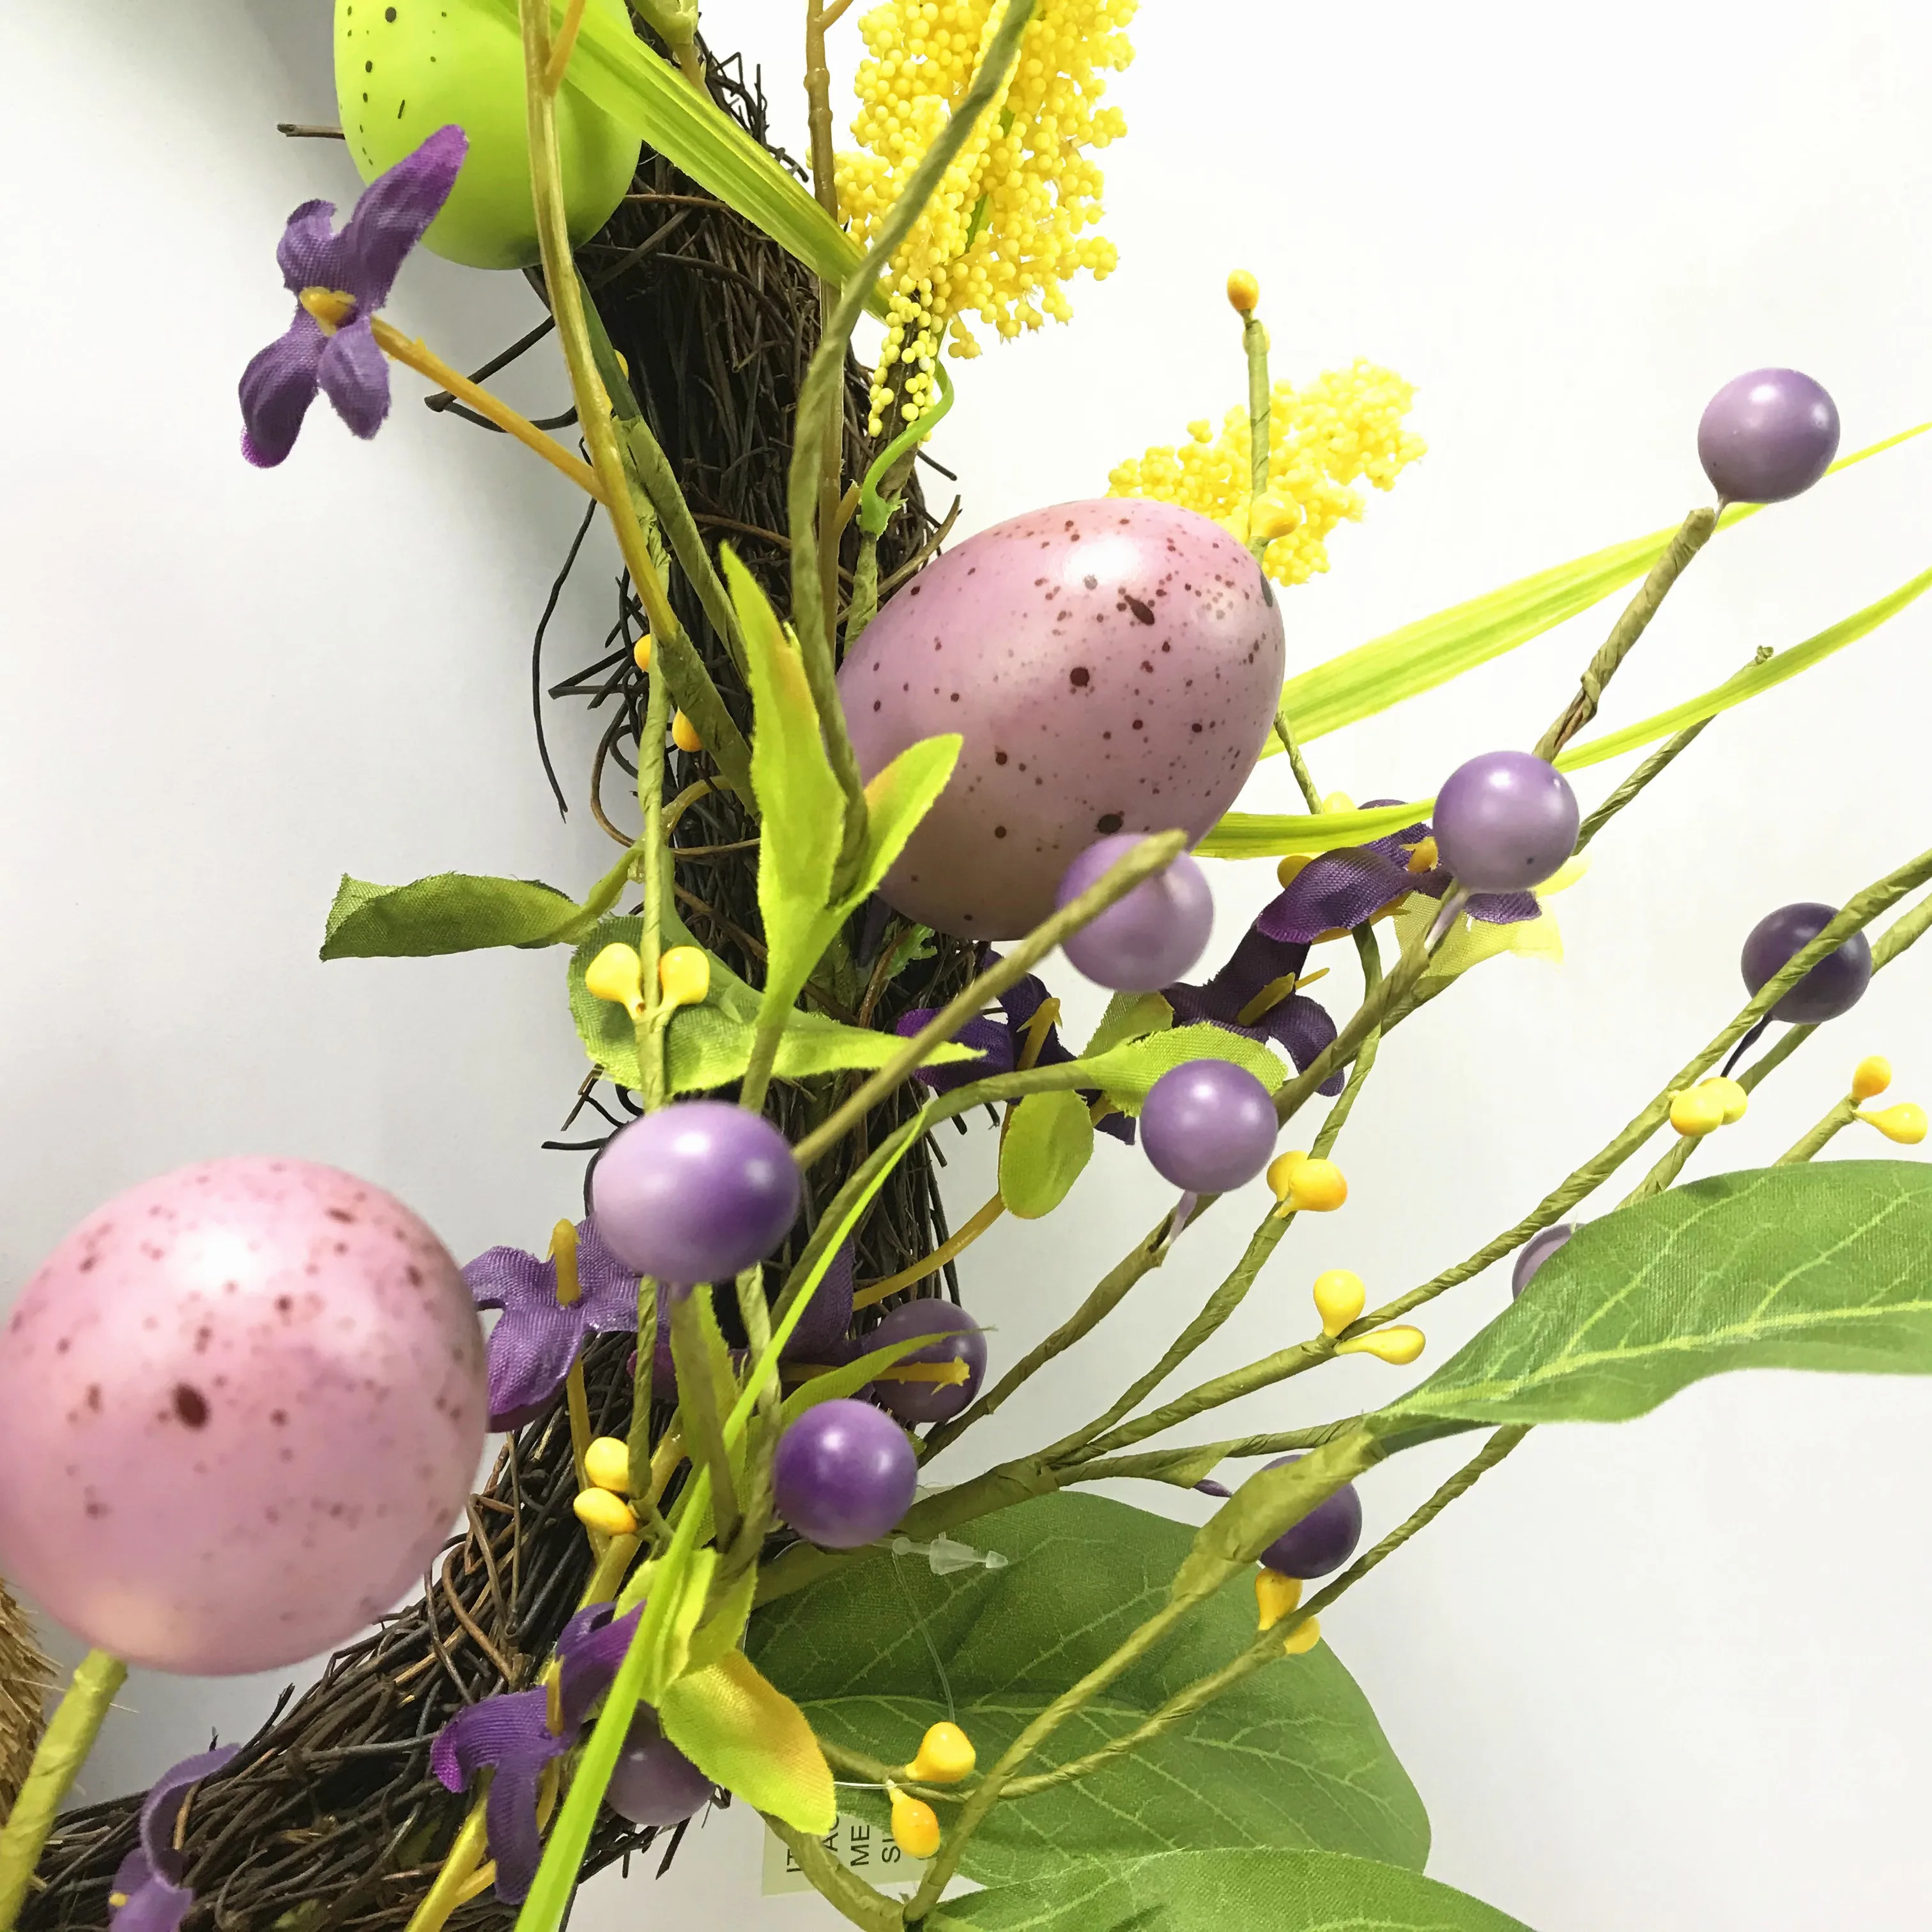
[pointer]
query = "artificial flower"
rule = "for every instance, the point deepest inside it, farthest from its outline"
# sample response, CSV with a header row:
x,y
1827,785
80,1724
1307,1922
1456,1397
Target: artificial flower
x,y
537,1338
147,1895
339,282
1259,965
1481,935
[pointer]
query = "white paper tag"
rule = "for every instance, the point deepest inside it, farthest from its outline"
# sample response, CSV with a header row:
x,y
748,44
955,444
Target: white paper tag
x,y
863,1847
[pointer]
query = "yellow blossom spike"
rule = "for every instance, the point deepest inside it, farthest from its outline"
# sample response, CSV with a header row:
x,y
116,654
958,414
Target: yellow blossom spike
x,y
1305,1636
1292,867
1302,1185
609,1515
946,1755
1397,1346
640,653
1871,1077
1731,1094
684,972
1339,1299
1201,430
1275,1596
1244,293
608,1464
684,734
1696,1111
617,974
1905,1122
1338,801
915,1825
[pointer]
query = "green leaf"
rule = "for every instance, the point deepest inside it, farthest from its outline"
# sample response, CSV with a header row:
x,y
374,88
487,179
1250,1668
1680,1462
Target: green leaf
x,y
720,1631
1292,1758
1129,1016
710,1045
1819,1265
1047,1145
849,1378
1257,1891
896,800
751,1739
647,97
1124,1073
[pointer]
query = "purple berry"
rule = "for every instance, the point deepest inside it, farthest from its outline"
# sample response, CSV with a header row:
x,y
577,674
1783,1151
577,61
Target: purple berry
x,y
695,1192
1535,1253
1208,1126
1505,822
931,1402
1324,1540
654,1782
1767,436
844,1474
1834,986
1147,939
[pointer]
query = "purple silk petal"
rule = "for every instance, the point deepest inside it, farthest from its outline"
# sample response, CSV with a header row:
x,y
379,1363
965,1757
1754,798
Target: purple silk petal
x,y
989,1038
1337,891
607,1289
1022,1000
355,376
529,1352
149,1877
509,1277
510,1826
1258,962
162,1809
310,253
593,1646
395,209
157,1905
1305,1028
1503,908
512,1729
828,1315
276,387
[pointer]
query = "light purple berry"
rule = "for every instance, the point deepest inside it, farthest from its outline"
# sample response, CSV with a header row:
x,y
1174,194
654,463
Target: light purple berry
x,y
653,1783
1767,436
844,1474
695,1192
1834,986
1208,1126
1150,938
1505,822
1535,1253
1324,1540
931,1402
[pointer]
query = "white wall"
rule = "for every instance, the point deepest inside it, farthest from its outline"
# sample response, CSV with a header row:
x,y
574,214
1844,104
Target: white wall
x,y
1667,1675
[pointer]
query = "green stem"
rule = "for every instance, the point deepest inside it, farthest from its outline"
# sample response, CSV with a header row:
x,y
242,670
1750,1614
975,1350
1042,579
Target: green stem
x,y
653,1092
1692,535
857,1901
1185,1468
1815,1140
63,1748
1284,730
1261,426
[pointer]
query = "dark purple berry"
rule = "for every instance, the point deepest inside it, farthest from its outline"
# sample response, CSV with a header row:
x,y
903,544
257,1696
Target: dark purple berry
x,y
1505,822
696,1192
844,1474
931,1402
1834,986
654,1782
1208,1126
1324,1540
1535,1253
1149,939
1767,436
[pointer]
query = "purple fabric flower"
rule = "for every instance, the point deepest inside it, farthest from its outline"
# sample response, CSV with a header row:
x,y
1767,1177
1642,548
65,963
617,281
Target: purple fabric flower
x,y
147,1895
339,281
1300,1025
532,1347
510,1733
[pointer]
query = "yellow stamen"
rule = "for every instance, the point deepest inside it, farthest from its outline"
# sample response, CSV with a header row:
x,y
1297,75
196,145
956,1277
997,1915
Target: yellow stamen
x,y
1045,1016
925,1372
330,308
1271,995
946,1755
1398,1346
563,1251
1272,516
877,1291
1339,1299
1871,1077
1423,859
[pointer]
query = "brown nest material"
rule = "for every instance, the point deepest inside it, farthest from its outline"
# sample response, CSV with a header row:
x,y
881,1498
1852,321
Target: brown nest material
x,y
330,1817
24,1675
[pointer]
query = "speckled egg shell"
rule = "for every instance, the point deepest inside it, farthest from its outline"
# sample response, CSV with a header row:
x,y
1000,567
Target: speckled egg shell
x,y
1113,666
241,1405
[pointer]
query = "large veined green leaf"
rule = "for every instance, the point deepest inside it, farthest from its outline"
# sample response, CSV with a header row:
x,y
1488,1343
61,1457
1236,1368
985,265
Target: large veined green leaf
x,y
1820,1265
647,97
1254,1891
1292,1758
1243,835
1431,651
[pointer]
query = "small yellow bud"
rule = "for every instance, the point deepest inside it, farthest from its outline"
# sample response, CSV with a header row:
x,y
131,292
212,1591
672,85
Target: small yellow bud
x,y
600,1511
608,1464
617,974
1338,801
1696,1111
1201,430
1905,1122
1244,293
1292,867
684,734
1398,1346
915,1825
1305,1636
1423,859
1871,1076
1272,516
946,1755
1305,1186
1732,1097
685,973
1339,1298
1275,1596
640,653
623,365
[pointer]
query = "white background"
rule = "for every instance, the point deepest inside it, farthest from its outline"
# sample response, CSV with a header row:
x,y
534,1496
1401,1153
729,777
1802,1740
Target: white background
x,y
1666,1676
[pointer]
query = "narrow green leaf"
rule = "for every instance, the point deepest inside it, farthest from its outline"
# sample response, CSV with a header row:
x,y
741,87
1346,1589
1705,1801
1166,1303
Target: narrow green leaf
x,y
1124,1073
1292,1758
747,1735
1045,1148
720,1631
849,1378
1258,1891
1129,1016
1820,1265
897,799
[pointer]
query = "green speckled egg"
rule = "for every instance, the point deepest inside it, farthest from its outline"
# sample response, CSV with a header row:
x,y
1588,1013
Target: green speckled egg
x,y
404,68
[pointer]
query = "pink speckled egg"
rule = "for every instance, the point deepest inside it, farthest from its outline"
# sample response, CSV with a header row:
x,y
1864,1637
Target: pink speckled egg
x,y
241,1406
1113,666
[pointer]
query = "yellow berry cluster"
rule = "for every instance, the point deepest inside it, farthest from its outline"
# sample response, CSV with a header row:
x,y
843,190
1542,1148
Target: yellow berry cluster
x,y
1345,427
1010,223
